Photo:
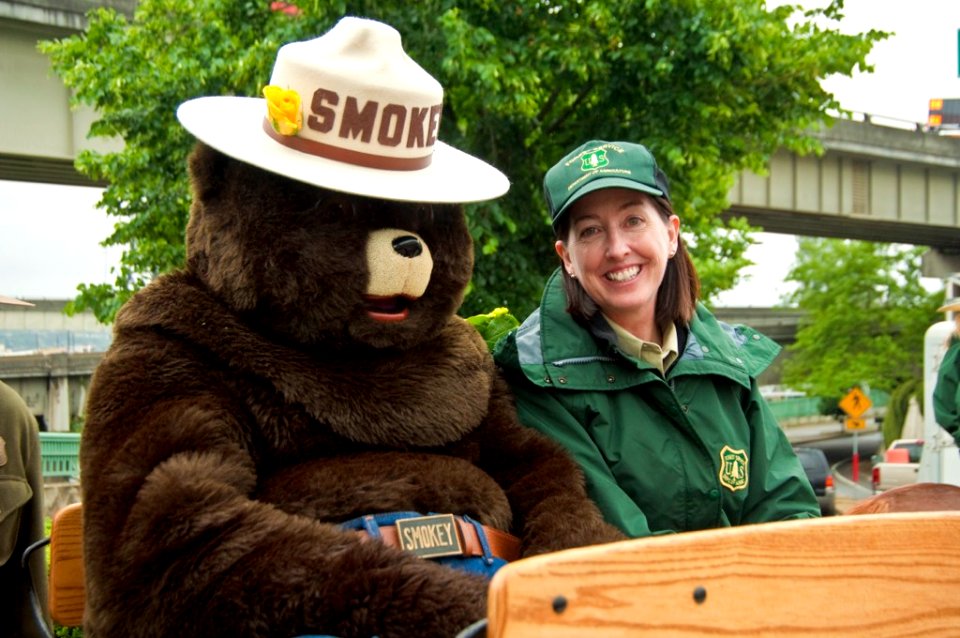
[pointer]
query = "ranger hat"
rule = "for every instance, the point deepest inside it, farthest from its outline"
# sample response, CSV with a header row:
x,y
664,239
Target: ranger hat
x,y
598,164
349,111
952,305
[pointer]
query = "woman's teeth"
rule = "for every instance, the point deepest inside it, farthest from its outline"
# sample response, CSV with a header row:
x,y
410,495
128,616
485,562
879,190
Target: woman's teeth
x,y
623,275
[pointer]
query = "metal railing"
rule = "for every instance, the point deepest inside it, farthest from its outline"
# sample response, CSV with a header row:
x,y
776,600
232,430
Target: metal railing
x,y
60,452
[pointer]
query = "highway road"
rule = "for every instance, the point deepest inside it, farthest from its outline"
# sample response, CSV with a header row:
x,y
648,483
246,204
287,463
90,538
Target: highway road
x,y
829,436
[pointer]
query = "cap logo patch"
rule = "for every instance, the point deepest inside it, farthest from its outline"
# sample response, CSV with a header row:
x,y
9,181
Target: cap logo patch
x,y
733,468
592,160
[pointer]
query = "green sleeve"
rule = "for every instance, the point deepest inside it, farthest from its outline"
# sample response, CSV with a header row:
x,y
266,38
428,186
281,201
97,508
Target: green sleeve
x,y
779,488
20,465
946,393
540,409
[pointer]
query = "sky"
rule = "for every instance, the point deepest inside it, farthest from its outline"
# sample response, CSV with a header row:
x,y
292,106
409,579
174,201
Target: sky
x,y
50,235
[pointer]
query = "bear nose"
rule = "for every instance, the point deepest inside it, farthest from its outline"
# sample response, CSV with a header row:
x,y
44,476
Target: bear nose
x,y
407,246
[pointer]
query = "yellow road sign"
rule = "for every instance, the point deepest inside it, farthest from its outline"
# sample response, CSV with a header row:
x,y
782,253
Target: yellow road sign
x,y
855,424
855,403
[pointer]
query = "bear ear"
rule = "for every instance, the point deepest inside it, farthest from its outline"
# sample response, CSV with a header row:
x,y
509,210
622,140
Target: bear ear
x,y
208,168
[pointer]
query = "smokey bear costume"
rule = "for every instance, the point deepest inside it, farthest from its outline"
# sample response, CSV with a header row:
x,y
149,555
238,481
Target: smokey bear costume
x,y
306,368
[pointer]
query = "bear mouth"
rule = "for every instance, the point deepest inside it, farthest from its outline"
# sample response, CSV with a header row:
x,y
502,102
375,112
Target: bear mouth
x,y
387,309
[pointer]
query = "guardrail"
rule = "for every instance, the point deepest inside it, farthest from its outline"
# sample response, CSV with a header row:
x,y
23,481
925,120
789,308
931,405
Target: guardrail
x,y
804,408
794,408
60,452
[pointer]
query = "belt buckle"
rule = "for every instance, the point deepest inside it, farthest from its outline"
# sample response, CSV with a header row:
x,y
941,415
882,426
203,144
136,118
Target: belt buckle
x,y
431,536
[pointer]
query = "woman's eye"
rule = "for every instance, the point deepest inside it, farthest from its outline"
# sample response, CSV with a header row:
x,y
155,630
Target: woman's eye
x,y
634,221
589,231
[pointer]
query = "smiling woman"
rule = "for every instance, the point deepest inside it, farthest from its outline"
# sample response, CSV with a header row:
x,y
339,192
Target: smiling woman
x,y
656,399
50,238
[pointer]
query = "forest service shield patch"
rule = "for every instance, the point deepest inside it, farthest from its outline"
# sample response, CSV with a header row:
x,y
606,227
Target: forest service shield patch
x,y
733,468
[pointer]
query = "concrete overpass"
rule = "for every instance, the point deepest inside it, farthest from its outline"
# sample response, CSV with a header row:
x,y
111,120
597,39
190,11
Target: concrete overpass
x,y
40,134
53,373
891,182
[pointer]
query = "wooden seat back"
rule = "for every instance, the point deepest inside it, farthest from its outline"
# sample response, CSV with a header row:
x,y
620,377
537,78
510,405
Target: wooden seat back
x,y
892,574
916,497
66,595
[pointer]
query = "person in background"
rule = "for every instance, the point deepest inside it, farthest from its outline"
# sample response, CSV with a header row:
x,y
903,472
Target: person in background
x,y
657,399
21,512
946,393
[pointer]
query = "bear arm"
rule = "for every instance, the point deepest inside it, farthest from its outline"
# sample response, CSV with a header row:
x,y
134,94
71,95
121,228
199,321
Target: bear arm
x,y
544,485
343,487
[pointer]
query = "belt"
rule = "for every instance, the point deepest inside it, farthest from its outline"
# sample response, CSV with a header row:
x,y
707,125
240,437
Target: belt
x,y
441,535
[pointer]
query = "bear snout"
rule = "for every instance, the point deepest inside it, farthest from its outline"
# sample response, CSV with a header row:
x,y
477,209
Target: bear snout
x,y
399,265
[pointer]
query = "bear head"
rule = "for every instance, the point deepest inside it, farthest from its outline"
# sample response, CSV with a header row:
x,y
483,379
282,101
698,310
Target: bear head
x,y
320,269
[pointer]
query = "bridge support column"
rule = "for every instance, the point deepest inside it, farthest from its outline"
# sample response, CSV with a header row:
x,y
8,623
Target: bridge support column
x,y
940,264
58,404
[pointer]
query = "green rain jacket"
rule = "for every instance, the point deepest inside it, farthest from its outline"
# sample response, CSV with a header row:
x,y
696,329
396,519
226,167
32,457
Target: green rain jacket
x,y
946,394
696,449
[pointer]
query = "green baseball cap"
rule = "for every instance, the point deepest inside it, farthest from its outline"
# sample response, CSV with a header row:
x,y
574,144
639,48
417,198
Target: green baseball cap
x,y
599,164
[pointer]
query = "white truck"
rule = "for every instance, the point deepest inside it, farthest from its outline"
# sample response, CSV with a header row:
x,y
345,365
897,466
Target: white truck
x,y
900,465
938,460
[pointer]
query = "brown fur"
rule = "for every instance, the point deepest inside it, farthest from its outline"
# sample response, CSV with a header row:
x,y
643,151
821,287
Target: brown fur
x,y
918,497
248,405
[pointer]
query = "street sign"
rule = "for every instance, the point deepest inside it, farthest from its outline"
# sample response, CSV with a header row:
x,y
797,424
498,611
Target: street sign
x,y
855,403
943,113
855,424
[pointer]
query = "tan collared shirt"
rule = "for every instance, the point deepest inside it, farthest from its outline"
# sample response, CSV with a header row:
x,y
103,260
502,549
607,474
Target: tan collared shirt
x,y
659,356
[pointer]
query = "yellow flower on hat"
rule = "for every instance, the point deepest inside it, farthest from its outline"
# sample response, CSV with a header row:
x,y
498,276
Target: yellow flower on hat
x,y
283,109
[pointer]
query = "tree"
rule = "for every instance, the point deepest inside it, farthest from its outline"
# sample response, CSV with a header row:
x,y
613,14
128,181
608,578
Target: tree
x,y
866,316
711,86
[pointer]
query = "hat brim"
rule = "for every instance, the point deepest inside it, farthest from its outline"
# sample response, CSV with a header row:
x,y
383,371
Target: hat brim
x,y
14,302
600,184
234,126
950,306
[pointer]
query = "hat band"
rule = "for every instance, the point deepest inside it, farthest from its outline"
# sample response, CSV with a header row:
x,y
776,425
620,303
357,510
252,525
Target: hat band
x,y
368,160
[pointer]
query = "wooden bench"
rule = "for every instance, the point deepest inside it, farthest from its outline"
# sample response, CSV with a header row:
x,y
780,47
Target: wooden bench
x,y
878,574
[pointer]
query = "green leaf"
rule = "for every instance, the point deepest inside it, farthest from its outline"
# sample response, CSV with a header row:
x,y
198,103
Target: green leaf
x,y
493,325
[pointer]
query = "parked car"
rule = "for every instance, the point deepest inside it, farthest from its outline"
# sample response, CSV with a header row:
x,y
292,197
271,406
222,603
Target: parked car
x,y
818,472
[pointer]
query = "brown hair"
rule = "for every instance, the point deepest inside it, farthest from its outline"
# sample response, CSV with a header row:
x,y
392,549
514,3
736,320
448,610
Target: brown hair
x,y
678,293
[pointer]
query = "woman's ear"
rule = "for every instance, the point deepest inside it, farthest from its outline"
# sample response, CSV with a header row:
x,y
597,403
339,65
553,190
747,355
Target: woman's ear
x,y
561,247
673,232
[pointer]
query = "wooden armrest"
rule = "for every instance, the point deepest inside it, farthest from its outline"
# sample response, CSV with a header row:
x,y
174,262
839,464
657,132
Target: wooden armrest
x,y
66,597
888,574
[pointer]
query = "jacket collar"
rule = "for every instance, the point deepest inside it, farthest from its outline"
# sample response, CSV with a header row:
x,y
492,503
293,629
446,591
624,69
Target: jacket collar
x,y
554,350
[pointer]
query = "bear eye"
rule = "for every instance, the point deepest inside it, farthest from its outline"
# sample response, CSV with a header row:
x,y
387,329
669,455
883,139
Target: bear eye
x,y
426,212
329,206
